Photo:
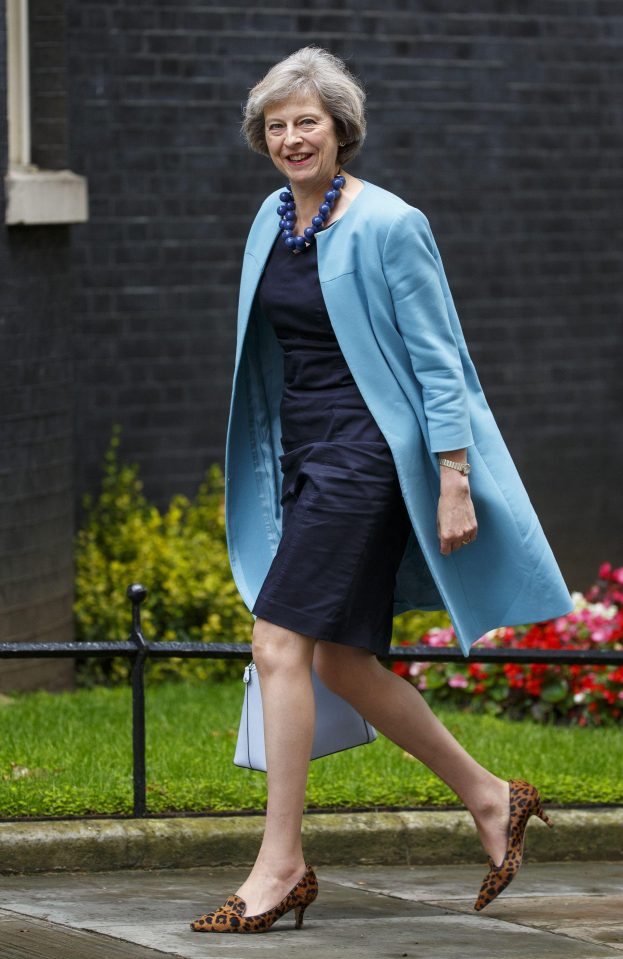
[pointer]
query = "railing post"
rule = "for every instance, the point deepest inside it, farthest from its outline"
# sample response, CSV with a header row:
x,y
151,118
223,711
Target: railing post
x,y
136,594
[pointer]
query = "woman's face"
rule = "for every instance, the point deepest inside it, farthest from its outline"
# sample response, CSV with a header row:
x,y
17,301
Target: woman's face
x,y
301,140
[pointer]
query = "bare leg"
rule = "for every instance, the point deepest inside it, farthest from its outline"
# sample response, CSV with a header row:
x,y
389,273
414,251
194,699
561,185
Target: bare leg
x,y
399,711
283,659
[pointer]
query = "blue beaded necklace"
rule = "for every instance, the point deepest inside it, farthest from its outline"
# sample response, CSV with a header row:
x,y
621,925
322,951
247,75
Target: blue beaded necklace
x,y
287,214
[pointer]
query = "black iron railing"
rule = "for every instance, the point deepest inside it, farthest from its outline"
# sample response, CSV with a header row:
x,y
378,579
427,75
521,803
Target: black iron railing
x,y
138,650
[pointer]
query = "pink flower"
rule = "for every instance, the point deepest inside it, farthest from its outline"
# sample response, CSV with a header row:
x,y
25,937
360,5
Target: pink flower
x,y
617,575
604,571
458,680
440,637
600,635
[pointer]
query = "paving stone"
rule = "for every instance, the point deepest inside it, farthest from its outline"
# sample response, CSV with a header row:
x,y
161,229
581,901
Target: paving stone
x,y
448,883
25,938
597,919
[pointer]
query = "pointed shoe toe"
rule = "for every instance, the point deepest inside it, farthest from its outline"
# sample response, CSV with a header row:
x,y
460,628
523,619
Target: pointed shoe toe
x,y
524,801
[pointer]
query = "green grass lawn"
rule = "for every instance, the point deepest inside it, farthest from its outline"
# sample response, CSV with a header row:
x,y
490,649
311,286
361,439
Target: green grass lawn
x,y
70,754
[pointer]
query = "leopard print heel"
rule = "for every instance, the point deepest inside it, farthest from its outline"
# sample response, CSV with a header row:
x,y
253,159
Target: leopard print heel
x,y
230,916
524,802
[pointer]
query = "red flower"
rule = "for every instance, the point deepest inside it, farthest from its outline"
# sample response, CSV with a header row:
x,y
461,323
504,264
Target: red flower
x,y
475,670
514,674
401,668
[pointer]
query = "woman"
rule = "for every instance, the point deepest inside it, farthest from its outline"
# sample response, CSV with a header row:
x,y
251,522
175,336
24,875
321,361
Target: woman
x,y
349,497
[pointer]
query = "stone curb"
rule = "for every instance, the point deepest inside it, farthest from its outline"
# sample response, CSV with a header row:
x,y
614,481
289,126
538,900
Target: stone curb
x,y
387,838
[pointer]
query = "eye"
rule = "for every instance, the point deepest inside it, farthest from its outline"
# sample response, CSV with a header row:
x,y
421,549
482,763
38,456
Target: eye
x,y
275,126
308,120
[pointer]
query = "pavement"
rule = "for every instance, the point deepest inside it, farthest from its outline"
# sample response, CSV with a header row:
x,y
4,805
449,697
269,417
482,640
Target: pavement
x,y
556,910
392,884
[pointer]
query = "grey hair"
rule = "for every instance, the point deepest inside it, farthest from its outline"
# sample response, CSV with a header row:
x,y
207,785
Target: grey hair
x,y
316,72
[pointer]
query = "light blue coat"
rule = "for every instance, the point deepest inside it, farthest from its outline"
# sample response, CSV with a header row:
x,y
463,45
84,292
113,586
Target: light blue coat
x,y
388,300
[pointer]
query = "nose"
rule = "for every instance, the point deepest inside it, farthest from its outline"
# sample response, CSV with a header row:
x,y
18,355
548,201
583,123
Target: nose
x,y
292,135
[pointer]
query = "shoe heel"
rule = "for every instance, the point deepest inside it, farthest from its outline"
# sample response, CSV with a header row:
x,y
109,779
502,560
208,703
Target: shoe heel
x,y
543,815
299,912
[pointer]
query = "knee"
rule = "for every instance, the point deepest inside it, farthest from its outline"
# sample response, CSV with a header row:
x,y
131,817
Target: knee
x,y
265,644
276,648
339,667
333,677
330,675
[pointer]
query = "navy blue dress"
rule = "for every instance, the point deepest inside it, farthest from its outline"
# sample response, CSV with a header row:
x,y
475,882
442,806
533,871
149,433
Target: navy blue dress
x,y
345,523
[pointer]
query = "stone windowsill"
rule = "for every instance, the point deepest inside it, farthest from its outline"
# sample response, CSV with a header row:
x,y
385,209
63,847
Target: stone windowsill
x,y
35,196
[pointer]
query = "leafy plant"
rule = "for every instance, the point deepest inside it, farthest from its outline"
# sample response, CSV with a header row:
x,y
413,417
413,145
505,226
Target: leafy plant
x,y
180,555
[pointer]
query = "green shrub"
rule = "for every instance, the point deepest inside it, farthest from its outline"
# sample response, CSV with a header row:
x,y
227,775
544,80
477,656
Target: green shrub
x,y
180,555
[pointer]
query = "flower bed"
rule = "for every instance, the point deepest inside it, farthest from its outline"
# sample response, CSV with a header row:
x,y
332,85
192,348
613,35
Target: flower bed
x,y
548,693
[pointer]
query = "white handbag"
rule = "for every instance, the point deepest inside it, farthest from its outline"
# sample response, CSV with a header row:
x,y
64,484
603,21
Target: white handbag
x,y
338,725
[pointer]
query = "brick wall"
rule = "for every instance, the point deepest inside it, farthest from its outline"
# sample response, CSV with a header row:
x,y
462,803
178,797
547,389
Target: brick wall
x,y
36,436
36,479
48,83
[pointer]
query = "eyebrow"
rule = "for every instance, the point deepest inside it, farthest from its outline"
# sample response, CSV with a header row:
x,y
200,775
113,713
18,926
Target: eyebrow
x,y
305,113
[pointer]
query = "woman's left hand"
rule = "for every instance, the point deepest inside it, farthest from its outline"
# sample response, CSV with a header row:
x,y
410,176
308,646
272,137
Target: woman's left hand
x,y
456,517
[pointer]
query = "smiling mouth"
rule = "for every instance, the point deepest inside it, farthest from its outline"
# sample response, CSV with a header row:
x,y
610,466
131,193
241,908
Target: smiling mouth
x,y
298,158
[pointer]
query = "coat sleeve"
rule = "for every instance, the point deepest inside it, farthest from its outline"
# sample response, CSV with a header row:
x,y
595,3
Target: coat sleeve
x,y
413,277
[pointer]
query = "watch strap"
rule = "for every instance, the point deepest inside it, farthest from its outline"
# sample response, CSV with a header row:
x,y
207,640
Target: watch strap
x,y
461,467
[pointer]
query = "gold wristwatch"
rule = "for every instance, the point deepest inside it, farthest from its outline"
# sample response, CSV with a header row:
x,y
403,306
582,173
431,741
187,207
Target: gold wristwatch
x,y
463,468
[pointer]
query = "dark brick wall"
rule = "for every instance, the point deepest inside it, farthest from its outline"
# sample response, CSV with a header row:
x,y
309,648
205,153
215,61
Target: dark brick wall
x,y
36,439
48,83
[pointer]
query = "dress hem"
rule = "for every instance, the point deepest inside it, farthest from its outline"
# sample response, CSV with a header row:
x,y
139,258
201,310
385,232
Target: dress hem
x,y
287,618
